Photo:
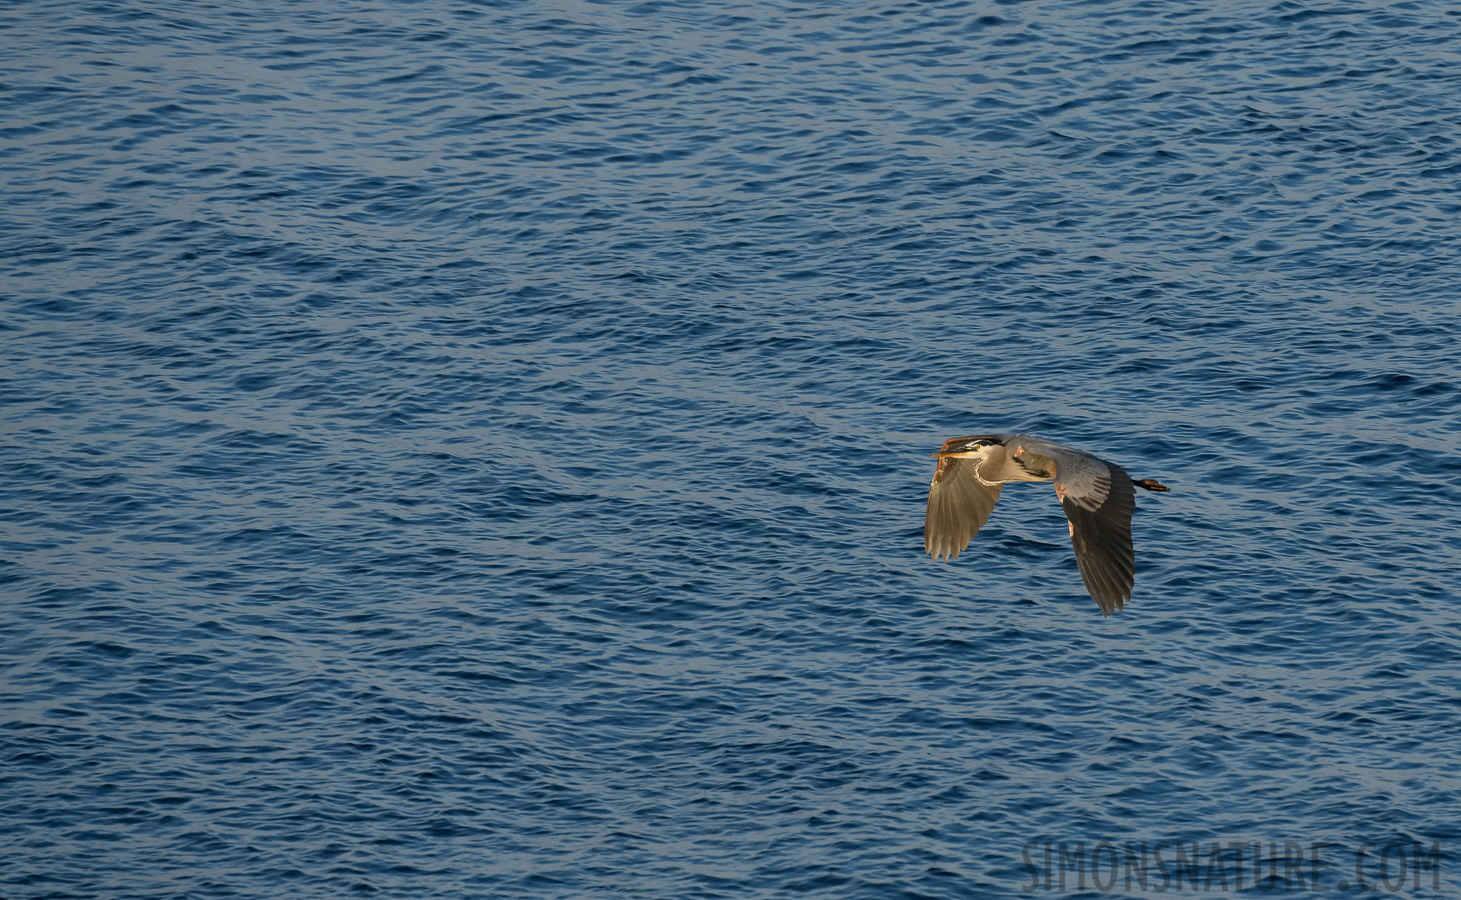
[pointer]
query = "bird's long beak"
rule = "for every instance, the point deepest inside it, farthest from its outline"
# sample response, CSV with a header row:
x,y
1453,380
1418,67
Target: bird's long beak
x,y
956,454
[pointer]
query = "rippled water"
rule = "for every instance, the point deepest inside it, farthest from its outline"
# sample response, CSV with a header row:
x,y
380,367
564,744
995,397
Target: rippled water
x,y
479,449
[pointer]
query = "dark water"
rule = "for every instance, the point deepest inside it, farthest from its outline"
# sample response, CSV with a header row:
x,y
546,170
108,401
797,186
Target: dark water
x,y
479,449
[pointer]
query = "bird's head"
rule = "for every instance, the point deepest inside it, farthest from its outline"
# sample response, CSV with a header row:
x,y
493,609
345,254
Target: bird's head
x,y
968,447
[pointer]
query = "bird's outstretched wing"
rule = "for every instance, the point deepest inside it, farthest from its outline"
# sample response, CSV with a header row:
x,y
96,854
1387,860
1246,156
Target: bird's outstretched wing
x,y
958,506
1102,541
1099,499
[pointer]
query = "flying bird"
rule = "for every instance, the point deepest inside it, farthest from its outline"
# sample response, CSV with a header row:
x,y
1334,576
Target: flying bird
x,y
1098,498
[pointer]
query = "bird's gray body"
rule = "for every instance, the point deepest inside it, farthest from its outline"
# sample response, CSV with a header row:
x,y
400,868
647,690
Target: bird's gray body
x,y
1098,498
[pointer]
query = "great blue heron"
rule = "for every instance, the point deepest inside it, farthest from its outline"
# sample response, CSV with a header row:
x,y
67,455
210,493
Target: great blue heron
x,y
1097,496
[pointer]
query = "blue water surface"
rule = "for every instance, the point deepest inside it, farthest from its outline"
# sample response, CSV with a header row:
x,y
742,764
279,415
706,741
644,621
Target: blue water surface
x,y
478,449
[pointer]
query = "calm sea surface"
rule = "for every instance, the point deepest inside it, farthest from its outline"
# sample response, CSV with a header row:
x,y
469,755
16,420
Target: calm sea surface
x,y
478,449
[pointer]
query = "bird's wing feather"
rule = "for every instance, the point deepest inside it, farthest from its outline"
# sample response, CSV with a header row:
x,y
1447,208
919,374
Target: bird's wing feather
x,y
958,506
1099,499
1101,536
